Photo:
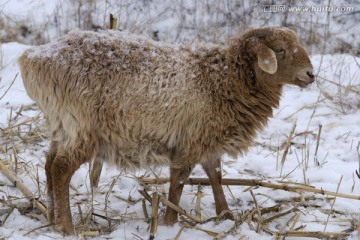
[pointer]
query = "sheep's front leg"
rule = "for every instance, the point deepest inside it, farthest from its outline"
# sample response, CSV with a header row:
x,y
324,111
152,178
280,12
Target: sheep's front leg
x,y
177,179
213,170
50,156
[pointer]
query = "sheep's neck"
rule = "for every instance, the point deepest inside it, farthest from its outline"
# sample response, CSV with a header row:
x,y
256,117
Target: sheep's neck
x,y
246,107
259,99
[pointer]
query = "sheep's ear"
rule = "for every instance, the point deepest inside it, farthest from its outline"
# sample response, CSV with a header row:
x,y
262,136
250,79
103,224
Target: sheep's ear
x,y
267,59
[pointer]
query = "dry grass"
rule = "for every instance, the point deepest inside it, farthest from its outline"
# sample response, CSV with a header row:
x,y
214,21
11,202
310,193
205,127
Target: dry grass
x,y
341,101
23,31
189,22
345,80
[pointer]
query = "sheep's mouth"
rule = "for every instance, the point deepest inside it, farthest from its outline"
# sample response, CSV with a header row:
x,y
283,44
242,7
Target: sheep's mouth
x,y
303,82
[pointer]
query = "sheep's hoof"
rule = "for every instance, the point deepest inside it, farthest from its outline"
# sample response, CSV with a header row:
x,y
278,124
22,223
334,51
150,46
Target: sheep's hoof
x,y
50,216
170,218
68,229
226,215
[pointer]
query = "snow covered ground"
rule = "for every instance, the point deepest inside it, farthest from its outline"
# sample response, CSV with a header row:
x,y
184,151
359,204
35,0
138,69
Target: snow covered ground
x,y
332,102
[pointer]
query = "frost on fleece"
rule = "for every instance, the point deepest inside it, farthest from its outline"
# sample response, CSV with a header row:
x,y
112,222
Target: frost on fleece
x,y
138,102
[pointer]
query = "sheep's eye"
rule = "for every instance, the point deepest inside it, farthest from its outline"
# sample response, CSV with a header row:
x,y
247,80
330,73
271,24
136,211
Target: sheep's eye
x,y
279,50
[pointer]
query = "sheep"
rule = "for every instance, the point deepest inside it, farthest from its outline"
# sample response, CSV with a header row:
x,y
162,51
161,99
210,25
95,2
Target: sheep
x,y
115,97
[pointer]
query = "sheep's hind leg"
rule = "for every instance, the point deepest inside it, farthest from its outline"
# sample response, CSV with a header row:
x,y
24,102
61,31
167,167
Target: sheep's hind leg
x,y
50,156
95,173
64,166
213,171
177,179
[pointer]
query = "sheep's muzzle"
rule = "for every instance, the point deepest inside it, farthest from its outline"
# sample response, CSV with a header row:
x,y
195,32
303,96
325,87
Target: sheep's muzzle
x,y
304,78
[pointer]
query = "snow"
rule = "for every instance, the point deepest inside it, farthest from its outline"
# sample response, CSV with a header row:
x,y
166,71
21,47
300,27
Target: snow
x,y
11,51
333,102
24,9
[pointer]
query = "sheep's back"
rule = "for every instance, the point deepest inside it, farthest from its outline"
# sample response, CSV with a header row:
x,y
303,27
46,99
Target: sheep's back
x,y
132,92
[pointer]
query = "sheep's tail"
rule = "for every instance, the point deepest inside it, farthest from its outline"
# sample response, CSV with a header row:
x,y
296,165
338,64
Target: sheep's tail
x,y
36,76
40,82
26,64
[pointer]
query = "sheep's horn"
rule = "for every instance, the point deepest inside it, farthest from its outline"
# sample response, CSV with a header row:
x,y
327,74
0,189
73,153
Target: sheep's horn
x,y
260,32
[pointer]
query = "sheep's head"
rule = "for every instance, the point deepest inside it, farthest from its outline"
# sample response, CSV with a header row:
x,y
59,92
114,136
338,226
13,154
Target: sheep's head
x,y
277,57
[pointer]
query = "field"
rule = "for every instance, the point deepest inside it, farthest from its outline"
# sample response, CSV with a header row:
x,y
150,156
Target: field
x,y
300,179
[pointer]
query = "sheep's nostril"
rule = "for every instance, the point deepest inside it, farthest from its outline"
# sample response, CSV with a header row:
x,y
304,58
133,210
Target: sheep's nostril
x,y
310,74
